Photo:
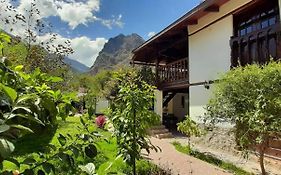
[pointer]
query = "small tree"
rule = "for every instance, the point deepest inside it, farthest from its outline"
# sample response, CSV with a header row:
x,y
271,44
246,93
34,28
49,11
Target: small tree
x,y
249,97
131,115
189,128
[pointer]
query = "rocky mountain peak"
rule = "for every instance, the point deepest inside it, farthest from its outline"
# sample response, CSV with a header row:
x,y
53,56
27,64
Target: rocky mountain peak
x,y
118,50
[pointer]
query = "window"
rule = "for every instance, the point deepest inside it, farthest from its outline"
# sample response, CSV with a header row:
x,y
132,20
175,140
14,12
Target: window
x,y
256,31
256,18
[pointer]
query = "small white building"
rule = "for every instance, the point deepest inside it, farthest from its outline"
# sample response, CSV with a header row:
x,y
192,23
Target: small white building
x,y
190,53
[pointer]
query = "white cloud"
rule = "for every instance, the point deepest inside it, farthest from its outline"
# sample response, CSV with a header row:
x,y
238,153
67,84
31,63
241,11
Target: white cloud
x,y
86,50
151,34
46,7
76,13
113,22
73,12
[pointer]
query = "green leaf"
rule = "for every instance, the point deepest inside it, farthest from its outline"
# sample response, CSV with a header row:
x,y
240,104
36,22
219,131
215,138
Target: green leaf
x,y
10,92
62,139
89,168
48,167
6,148
82,121
53,147
55,79
75,151
67,158
25,97
28,172
14,161
21,127
18,68
26,109
4,37
29,161
26,116
40,172
91,151
4,128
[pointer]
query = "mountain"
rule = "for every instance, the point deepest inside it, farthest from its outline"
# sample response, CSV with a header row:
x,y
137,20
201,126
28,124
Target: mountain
x,y
117,51
76,65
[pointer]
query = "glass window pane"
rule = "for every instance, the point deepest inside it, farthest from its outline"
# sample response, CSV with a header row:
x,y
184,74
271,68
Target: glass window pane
x,y
272,21
249,29
242,32
264,24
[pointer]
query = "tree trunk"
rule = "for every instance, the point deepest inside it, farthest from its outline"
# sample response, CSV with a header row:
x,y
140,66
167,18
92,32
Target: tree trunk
x,y
135,141
262,162
262,149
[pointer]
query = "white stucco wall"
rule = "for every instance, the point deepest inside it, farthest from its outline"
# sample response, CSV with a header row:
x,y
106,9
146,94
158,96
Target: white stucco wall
x,y
210,17
158,104
101,106
209,53
179,110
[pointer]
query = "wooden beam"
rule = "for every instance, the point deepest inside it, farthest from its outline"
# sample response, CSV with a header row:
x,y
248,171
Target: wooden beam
x,y
212,8
279,2
192,22
142,63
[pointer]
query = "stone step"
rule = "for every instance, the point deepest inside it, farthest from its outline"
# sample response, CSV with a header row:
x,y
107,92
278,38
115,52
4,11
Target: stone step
x,y
158,127
164,136
158,131
274,143
273,152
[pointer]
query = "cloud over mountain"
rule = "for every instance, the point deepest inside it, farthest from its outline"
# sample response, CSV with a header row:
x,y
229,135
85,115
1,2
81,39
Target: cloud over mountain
x,y
73,12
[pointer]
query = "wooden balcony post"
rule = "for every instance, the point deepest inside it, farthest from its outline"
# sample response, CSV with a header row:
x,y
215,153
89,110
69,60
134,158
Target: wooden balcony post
x,y
279,1
157,71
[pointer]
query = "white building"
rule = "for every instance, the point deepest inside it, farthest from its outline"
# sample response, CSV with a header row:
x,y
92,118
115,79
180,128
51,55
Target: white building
x,y
210,39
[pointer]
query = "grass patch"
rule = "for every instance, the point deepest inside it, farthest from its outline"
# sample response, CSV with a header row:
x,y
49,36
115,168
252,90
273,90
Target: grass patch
x,y
210,159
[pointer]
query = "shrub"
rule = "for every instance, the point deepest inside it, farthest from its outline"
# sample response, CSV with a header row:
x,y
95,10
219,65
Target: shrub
x,y
249,97
189,128
27,103
144,167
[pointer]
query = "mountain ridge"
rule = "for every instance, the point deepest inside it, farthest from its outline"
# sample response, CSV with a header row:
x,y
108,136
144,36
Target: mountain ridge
x,y
117,51
76,65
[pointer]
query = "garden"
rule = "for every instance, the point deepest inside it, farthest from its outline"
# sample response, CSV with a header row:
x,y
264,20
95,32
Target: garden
x,y
44,131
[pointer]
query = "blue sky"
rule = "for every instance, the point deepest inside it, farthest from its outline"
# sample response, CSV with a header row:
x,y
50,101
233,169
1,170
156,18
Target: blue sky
x,y
88,24
138,16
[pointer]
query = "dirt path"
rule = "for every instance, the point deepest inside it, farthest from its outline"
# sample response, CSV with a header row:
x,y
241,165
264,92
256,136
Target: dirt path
x,y
251,165
179,163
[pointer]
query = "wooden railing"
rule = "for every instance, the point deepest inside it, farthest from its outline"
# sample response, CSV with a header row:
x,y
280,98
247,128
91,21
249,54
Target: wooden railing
x,y
175,72
256,47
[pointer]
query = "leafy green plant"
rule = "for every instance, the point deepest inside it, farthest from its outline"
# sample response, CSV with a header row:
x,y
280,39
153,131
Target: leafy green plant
x,y
144,167
70,148
131,115
189,128
4,38
27,104
249,97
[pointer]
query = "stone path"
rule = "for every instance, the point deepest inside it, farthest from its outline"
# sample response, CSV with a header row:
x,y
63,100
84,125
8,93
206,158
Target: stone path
x,y
179,163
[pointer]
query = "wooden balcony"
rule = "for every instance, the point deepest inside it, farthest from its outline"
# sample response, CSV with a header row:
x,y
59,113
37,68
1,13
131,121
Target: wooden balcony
x,y
173,75
256,47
